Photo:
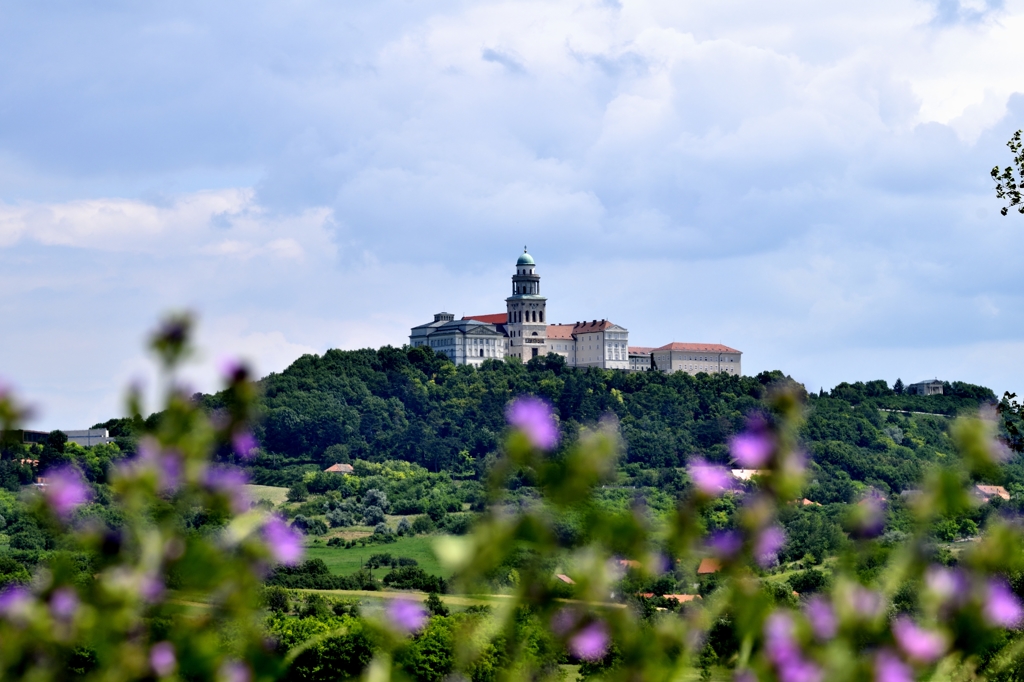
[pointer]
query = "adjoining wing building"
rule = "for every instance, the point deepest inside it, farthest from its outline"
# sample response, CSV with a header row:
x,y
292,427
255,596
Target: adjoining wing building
x,y
523,331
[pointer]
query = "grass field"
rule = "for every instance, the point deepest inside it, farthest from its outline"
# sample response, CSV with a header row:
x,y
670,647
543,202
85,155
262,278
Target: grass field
x,y
347,561
267,492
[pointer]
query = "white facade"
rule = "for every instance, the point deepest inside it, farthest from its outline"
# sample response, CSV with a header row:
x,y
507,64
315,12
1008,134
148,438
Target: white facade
x,y
601,344
694,358
640,358
465,342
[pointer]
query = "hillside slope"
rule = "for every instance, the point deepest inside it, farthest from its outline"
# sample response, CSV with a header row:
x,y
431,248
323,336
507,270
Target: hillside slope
x,y
411,405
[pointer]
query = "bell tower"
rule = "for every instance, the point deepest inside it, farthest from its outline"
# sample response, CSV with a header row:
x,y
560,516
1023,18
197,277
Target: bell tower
x,y
527,312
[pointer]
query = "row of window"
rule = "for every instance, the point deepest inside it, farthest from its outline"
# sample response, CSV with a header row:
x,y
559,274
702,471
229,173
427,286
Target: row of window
x,y
531,316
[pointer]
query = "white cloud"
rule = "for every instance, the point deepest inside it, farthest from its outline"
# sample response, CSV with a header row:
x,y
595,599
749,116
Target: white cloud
x,y
225,223
806,181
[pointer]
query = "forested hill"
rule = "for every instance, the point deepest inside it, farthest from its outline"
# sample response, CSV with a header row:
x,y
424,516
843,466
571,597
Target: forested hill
x,y
409,404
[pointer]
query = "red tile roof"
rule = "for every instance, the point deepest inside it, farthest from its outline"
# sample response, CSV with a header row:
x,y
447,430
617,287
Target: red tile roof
x,y
559,331
592,326
709,565
640,350
339,469
565,579
495,318
698,347
991,490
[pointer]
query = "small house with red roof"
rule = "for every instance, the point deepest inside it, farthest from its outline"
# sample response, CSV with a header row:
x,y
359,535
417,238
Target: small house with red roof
x,y
987,492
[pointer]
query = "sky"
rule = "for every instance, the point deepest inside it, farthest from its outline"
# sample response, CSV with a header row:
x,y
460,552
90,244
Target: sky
x,y
806,182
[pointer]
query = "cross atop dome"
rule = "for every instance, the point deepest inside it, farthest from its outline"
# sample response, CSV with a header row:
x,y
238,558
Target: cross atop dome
x,y
525,259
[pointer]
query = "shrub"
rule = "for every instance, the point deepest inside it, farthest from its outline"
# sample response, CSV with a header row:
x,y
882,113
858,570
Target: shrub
x,y
457,524
807,582
422,524
310,526
375,498
276,599
339,519
414,578
298,492
435,605
373,515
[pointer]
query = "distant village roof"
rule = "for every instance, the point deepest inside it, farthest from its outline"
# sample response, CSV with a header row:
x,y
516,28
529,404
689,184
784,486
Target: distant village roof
x,y
709,565
640,350
747,474
629,563
990,491
495,318
565,579
807,503
698,347
339,469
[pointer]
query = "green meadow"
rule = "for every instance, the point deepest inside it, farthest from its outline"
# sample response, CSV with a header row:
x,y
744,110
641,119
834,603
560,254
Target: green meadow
x,y
347,561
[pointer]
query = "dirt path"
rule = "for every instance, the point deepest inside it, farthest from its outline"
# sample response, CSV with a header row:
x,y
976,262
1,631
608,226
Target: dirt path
x,y
452,599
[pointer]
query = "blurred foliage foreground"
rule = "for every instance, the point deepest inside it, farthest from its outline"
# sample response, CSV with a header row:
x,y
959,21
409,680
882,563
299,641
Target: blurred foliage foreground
x,y
164,601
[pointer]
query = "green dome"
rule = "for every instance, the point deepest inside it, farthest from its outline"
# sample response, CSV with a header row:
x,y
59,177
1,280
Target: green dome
x,y
525,259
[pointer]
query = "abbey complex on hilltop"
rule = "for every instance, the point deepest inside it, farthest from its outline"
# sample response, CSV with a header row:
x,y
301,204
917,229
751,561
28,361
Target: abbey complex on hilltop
x,y
523,331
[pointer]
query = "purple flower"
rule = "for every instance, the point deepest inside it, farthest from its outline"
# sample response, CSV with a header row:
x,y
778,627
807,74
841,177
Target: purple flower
x,y
799,670
65,490
152,589
866,603
916,642
709,479
168,464
769,542
228,481
406,616
822,618
889,668
950,586
783,651
162,659
590,643
15,601
745,675
244,444
753,448
534,418
283,541
725,544
780,643
64,603
869,517
1002,607
233,370
234,671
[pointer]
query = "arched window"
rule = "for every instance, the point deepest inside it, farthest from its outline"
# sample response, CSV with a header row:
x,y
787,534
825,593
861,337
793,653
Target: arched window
x,y
542,316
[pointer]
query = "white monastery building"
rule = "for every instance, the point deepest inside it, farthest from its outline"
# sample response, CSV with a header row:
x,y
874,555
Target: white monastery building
x,y
523,331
